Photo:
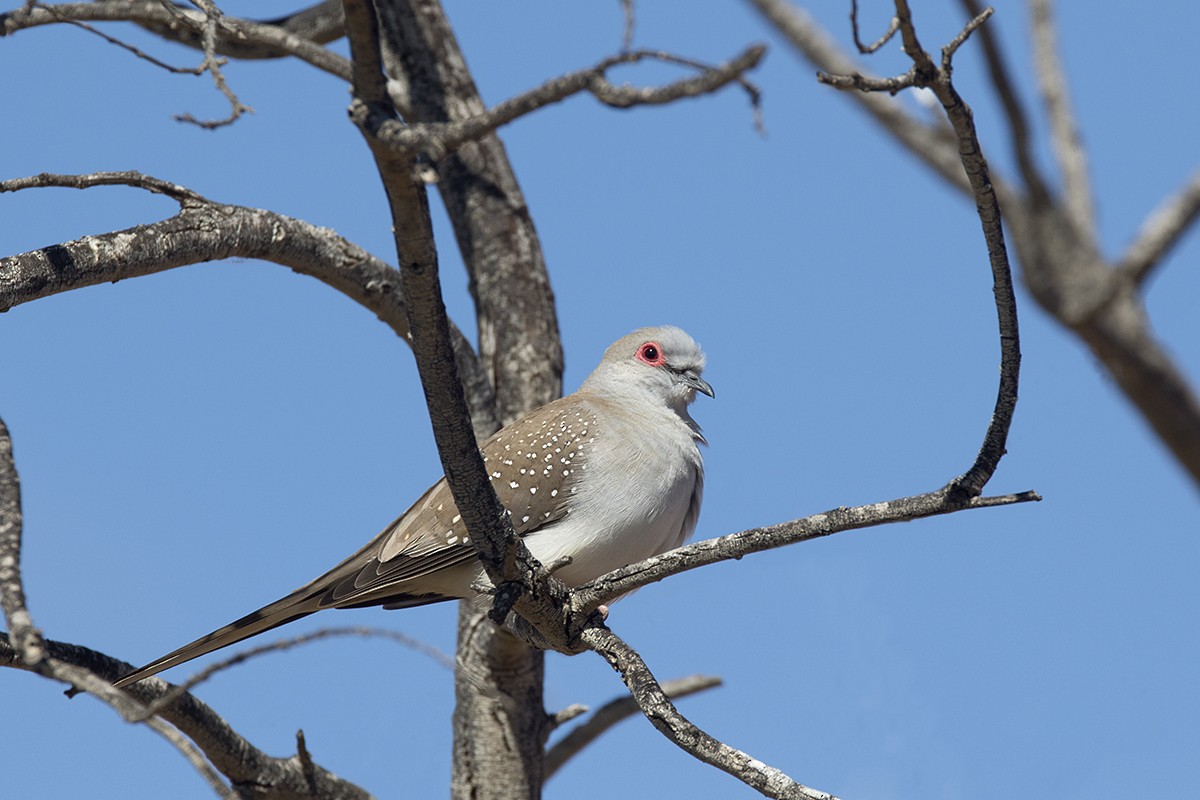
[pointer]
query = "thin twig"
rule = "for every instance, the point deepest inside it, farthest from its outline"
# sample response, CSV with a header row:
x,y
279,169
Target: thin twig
x,y
131,178
867,49
136,51
630,16
416,645
929,144
213,65
436,140
194,757
961,37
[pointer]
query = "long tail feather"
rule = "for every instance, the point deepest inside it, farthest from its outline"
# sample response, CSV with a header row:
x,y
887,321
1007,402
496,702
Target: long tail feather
x,y
299,604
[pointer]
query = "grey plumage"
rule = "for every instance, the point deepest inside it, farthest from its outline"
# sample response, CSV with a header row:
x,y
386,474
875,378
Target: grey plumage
x,y
608,476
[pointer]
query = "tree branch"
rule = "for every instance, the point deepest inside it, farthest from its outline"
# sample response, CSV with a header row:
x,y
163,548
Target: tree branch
x,y
248,769
928,143
436,140
1160,232
662,713
735,546
927,73
320,24
171,23
1069,151
611,713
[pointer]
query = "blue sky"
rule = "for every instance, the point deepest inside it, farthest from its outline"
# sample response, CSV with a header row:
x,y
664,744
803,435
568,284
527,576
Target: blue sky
x,y
195,444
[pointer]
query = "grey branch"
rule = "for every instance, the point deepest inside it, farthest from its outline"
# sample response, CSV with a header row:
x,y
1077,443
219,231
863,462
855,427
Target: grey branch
x,y
867,49
612,713
206,231
212,65
1161,231
180,24
661,712
519,340
1067,142
26,639
93,672
239,761
930,144
1060,253
937,77
436,140
735,546
321,23
194,757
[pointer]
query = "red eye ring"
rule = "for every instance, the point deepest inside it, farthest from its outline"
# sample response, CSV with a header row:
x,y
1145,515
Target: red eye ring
x,y
651,353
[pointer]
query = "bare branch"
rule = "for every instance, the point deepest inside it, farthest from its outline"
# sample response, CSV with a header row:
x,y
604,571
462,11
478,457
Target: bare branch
x,y
26,639
162,18
136,51
926,73
234,757
932,145
627,11
92,672
1069,151
320,24
437,140
867,49
709,80
212,65
1161,231
194,757
611,713
519,341
131,178
755,540
864,83
661,712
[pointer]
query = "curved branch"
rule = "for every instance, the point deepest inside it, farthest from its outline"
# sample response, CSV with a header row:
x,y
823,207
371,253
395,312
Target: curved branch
x,y
206,231
927,73
244,765
661,712
168,21
436,140
612,713
320,24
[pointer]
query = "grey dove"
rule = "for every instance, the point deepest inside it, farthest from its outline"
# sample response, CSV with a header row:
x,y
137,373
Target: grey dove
x,y
607,476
